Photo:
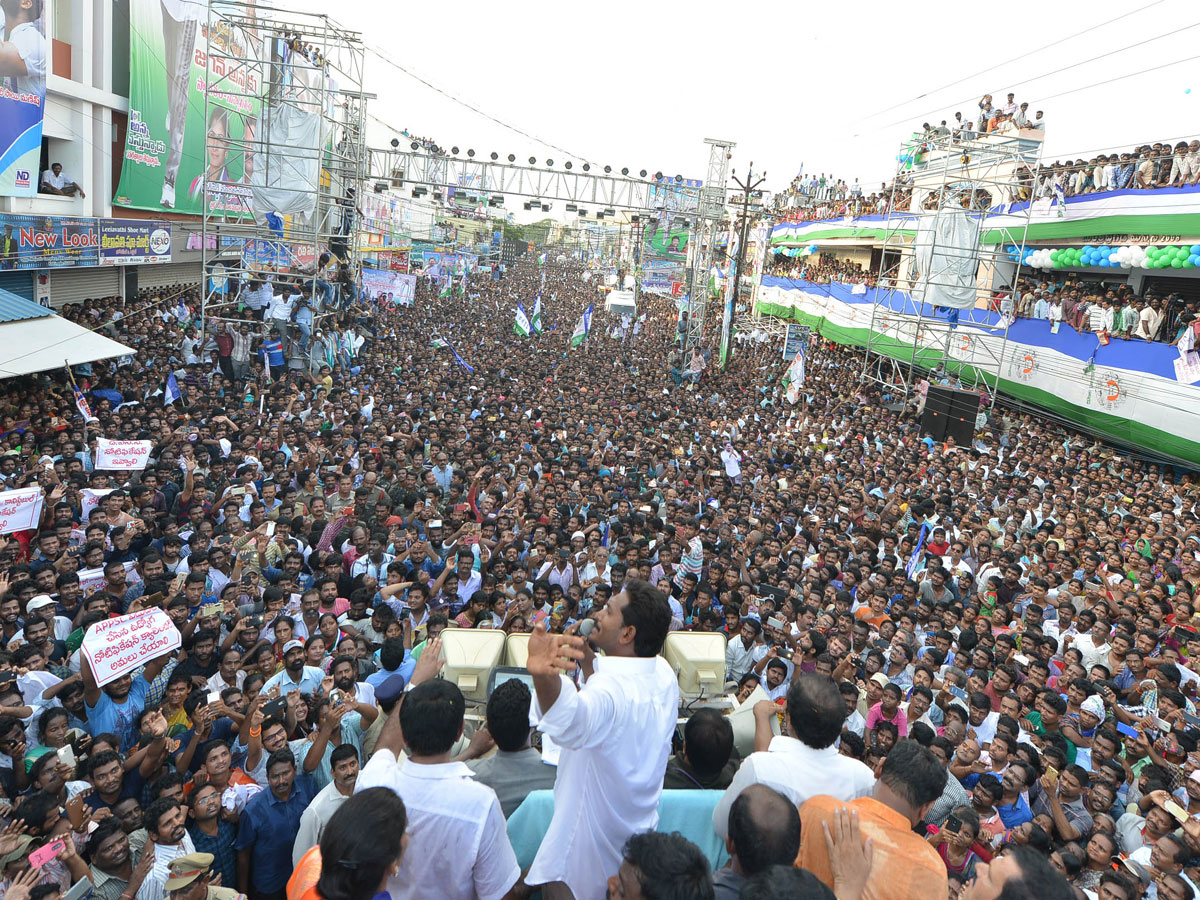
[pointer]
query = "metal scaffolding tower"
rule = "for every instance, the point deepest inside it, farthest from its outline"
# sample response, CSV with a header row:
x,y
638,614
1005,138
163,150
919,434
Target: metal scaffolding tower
x,y
702,244
942,179
297,78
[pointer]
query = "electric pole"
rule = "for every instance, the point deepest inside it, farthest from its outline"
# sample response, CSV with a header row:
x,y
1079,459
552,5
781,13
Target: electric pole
x,y
727,320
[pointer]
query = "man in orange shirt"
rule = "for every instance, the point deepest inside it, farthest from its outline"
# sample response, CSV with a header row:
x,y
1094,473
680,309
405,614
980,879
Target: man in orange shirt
x,y
904,865
875,612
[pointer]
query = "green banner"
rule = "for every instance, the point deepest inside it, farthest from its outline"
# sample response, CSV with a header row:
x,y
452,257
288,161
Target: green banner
x,y
169,145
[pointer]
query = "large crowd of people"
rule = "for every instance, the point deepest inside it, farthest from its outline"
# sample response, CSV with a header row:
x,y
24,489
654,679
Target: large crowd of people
x,y
970,667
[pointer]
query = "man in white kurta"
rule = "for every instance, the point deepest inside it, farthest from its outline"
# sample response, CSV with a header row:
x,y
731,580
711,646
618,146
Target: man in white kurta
x,y
614,733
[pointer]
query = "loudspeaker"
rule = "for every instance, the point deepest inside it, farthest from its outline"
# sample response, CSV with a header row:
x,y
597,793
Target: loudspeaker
x,y
950,413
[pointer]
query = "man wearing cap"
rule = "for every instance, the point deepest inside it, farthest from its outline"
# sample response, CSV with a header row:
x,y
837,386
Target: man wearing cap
x,y
295,675
190,878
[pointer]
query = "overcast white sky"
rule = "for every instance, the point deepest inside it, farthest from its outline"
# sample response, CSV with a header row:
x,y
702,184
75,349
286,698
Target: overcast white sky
x,y
835,86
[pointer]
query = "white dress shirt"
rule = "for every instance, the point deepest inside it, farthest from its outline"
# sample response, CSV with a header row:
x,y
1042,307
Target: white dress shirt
x,y
739,658
798,772
458,846
564,578
312,822
615,736
1092,655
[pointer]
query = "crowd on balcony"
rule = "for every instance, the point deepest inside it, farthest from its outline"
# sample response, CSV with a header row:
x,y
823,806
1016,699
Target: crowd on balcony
x,y
1115,311
821,197
1150,166
821,268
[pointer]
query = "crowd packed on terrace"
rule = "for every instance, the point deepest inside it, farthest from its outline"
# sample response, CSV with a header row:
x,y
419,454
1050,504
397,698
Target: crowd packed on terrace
x,y
1114,310
1161,164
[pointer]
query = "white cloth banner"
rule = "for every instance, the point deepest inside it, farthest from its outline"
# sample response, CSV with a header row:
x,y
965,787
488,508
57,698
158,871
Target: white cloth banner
x,y
122,456
116,647
20,510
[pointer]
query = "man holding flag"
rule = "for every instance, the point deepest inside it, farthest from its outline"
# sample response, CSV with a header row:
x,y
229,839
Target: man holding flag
x,y
582,327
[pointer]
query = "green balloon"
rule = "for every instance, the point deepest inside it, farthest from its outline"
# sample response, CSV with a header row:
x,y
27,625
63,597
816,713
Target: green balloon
x,y
1152,251
1188,264
1177,264
1182,253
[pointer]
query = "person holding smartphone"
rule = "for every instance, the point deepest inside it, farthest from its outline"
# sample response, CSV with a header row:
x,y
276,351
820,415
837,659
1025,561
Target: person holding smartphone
x,y
954,842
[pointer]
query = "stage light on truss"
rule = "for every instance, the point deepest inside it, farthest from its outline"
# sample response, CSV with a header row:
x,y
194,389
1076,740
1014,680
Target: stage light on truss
x,y
567,164
582,212
527,205
643,173
571,207
415,146
607,169
635,219
658,176
395,142
437,195
549,163
678,179
599,215
545,207
495,155
454,151
471,153
624,170
610,212
533,160
512,157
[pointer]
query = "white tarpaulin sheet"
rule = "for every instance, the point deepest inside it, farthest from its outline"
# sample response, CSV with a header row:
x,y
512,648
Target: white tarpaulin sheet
x,y
284,180
38,345
946,256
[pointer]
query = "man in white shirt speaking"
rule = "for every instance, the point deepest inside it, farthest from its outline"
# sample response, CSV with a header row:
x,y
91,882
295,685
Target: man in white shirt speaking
x,y
615,735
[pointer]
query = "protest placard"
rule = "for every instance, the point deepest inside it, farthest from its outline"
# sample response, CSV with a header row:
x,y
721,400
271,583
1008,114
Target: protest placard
x,y
116,647
123,456
89,499
92,580
20,509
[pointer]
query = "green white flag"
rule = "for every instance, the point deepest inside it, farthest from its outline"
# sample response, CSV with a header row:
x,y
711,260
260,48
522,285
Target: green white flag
x,y
582,327
521,326
536,321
